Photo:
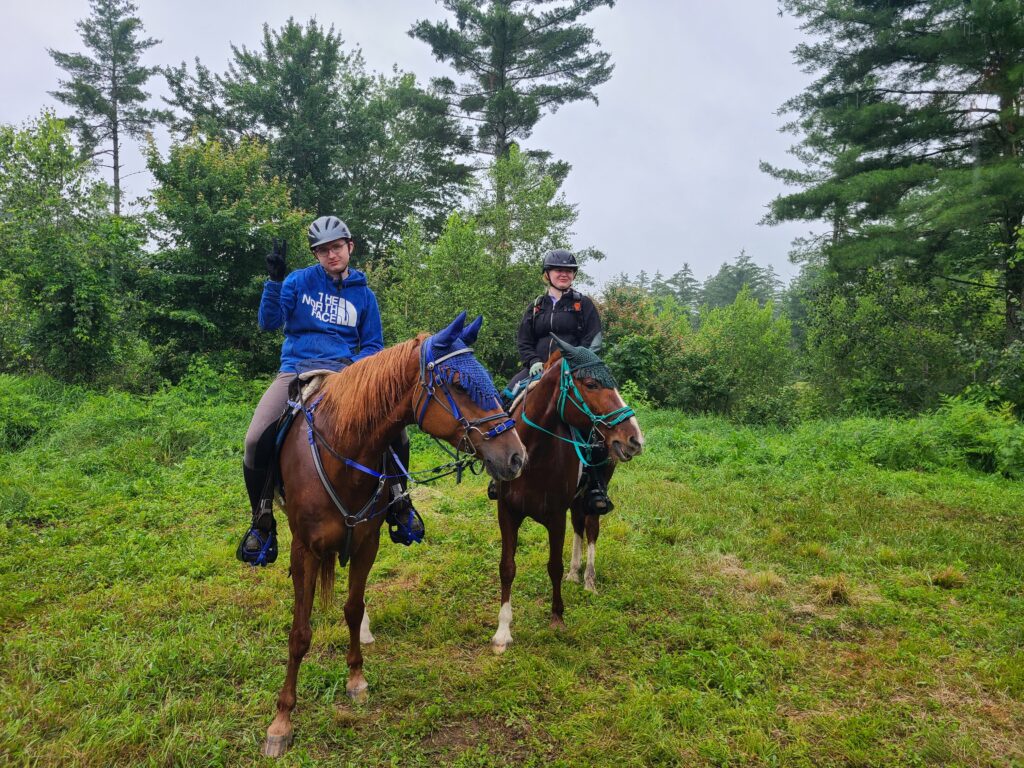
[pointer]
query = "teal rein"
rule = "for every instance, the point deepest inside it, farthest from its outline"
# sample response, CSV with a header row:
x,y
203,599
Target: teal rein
x,y
569,392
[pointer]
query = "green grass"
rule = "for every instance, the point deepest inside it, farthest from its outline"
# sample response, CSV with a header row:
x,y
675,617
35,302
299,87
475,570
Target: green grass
x,y
765,598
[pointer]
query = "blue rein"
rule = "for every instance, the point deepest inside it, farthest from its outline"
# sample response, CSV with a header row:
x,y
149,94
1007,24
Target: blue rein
x,y
430,381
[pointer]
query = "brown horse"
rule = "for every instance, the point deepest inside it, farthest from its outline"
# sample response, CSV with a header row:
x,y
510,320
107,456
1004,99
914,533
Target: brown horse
x,y
432,381
576,397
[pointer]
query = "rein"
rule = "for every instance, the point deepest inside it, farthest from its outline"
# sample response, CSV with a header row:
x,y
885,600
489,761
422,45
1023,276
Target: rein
x,y
430,381
569,392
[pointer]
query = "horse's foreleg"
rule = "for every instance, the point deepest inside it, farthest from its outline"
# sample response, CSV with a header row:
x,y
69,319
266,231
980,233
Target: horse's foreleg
x,y
593,528
365,635
304,567
556,540
355,610
507,572
573,574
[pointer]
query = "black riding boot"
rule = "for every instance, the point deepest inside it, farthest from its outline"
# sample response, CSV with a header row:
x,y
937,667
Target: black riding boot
x,y
259,545
405,526
596,494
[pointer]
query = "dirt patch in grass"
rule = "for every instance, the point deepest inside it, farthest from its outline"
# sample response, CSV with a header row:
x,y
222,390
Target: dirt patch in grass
x,y
513,745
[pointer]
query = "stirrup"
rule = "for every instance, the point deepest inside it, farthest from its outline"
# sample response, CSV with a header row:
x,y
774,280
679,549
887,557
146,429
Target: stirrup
x,y
597,501
258,547
405,526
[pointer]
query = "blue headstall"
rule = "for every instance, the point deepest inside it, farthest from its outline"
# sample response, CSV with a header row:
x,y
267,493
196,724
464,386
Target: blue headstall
x,y
446,359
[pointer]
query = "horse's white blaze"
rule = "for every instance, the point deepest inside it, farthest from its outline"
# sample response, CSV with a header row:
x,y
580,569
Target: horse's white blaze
x,y
590,574
504,634
577,558
636,425
365,635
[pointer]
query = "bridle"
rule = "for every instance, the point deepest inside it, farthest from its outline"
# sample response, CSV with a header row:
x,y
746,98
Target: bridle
x,y
568,392
431,381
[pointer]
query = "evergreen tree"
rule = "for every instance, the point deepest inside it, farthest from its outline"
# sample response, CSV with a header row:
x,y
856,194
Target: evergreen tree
x,y
722,288
106,87
912,137
519,59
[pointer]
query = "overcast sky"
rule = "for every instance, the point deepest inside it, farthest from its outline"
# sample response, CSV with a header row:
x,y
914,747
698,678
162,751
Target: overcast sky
x,y
665,169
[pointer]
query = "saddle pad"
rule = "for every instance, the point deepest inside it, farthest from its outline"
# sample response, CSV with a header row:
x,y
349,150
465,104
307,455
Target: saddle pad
x,y
522,394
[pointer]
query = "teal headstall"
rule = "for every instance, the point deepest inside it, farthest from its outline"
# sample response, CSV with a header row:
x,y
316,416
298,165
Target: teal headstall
x,y
579,361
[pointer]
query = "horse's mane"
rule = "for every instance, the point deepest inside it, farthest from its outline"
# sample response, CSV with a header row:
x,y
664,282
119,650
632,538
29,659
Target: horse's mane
x,y
358,397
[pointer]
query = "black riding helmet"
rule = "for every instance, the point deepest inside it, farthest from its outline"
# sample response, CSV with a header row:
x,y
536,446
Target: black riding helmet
x,y
560,259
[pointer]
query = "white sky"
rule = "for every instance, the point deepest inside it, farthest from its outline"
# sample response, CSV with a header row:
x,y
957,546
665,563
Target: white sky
x,y
665,169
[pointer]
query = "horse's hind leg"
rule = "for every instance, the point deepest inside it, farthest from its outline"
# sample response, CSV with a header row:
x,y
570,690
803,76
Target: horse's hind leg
x,y
507,571
556,540
592,524
355,609
304,567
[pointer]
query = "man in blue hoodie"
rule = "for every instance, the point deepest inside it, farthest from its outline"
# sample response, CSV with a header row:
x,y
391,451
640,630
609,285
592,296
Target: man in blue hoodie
x,y
328,313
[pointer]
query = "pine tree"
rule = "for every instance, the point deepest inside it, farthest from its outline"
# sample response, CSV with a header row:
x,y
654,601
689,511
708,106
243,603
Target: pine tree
x,y
913,135
106,87
519,60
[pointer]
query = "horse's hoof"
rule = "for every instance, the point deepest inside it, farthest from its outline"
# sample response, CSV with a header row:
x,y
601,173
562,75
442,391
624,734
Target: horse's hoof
x,y
365,638
276,746
574,577
557,622
498,648
589,586
359,694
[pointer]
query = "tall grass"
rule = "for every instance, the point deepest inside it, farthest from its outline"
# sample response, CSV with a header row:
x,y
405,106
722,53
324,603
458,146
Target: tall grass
x,y
845,593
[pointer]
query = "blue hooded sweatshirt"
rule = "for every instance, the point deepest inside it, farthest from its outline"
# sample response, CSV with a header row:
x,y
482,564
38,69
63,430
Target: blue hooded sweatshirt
x,y
322,320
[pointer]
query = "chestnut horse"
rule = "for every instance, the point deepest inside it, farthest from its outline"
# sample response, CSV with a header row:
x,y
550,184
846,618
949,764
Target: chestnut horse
x,y
575,403
432,381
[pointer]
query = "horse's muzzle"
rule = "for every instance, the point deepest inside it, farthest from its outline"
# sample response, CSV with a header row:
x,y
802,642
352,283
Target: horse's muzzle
x,y
626,451
508,469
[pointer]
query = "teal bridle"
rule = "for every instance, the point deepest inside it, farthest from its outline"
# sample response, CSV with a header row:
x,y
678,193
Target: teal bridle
x,y
568,392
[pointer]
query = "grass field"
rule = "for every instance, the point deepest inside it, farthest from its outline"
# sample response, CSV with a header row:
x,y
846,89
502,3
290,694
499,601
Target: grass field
x,y
837,595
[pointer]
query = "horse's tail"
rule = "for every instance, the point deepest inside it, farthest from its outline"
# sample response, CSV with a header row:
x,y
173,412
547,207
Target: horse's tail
x,y
327,581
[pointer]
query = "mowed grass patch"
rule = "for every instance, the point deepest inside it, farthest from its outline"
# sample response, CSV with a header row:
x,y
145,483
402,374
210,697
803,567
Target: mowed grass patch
x,y
133,637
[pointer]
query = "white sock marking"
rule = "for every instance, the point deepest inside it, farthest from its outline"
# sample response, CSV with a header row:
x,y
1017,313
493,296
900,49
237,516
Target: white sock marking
x,y
504,634
365,636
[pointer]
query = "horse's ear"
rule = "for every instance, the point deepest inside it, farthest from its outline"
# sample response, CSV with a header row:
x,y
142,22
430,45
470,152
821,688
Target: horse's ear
x,y
444,339
472,330
562,345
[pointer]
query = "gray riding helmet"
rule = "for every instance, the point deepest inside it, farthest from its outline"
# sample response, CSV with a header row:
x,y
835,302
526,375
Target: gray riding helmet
x,y
327,229
560,258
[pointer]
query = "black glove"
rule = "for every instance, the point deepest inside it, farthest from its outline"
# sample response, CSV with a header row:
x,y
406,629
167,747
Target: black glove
x,y
276,260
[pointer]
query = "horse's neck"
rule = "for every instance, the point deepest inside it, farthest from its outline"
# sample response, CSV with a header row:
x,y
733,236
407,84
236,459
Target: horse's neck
x,y
541,406
376,434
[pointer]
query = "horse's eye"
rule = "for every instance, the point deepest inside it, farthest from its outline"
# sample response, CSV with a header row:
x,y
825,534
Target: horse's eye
x,y
591,384
458,386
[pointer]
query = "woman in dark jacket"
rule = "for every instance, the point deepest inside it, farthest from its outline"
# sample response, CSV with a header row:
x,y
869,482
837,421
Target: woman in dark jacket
x,y
572,317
